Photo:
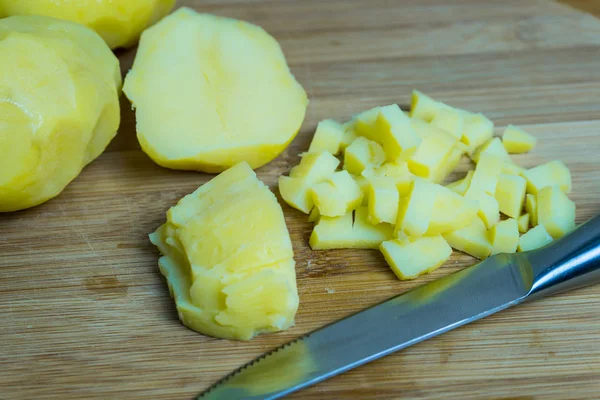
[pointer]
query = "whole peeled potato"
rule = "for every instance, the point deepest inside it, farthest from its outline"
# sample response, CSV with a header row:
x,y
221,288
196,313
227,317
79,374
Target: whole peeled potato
x,y
119,22
59,106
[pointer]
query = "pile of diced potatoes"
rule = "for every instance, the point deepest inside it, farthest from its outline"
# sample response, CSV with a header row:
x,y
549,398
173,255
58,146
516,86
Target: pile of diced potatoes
x,y
377,182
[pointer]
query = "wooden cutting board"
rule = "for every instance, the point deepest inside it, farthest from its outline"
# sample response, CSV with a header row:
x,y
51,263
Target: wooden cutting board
x,y
86,314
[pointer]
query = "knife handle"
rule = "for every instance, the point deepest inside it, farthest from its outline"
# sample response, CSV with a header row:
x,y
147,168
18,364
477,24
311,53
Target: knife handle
x,y
568,263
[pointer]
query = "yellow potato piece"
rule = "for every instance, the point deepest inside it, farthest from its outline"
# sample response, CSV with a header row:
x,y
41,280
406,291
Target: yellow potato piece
x,y
412,257
399,173
431,155
450,212
364,185
424,107
59,108
337,195
512,169
516,140
489,209
460,186
228,259
450,120
313,168
363,154
394,132
492,146
523,222
473,240
230,97
348,136
505,236
478,129
531,208
328,137
534,238
549,174
485,177
383,201
343,233
555,211
119,22
510,193
363,124
449,164
414,212
314,215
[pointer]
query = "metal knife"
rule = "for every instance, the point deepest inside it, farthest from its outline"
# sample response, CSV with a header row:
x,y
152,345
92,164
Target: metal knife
x,y
494,284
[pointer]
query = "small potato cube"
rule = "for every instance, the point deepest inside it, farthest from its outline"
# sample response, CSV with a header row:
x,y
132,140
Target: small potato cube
x,y
431,154
489,209
315,167
450,120
398,172
531,208
460,186
512,169
424,107
412,257
422,128
492,146
362,154
328,137
295,192
414,212
549,174
478,130
448,165
364,185
523,222
555,211
534,238
510,193
364,123
393,130
473,240
343,233
348,136
336,196
383,201
505,236
485,177
450,212
314,215
516,140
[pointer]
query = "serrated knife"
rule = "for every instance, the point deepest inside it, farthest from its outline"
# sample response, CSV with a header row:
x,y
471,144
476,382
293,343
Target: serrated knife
x,y
494,284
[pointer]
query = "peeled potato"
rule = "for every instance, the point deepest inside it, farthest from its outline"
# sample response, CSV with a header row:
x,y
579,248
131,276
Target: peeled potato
x,y
119,22
210,92
59,106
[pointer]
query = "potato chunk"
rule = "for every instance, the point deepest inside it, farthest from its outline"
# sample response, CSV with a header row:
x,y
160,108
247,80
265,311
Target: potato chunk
x,y
505,236
450,120
492,146
363,154
510,193
412,257
328,137
531,208
383,201
473,239
523,222
229,97
337,195
549,174
516,140
414,213
555,211
431,154
478,129
395,134
534,238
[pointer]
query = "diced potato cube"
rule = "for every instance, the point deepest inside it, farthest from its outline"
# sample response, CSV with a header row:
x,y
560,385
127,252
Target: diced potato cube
x,y
314,167
485,177
431,154
449,165
314,215
450,212
414,212
364,185
492,146
516,140
422,128
460,186
295,192
555,211
478,130
531,208
412,257
336,196
393,130
523,222
512,169
328,137
489,209
505,236
450,120
342,233
510,193
348,136
534,238
398,172
549,174
364,123
383,201
424,107
473,240
362,154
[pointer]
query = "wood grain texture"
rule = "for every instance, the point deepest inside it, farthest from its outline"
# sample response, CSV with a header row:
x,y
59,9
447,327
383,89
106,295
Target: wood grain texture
x,y
86,314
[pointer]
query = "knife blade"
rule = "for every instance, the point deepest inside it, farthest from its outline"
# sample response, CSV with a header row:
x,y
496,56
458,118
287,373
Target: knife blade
x,y
485,288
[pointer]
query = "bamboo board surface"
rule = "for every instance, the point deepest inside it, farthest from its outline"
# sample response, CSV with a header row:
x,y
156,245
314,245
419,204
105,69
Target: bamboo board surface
x,y
86,313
